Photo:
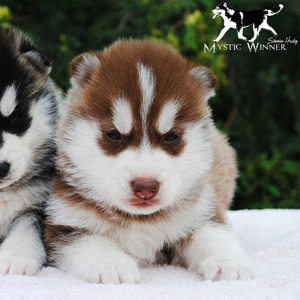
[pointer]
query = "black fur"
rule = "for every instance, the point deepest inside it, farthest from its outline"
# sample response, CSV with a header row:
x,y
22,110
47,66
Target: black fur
x,y
13,44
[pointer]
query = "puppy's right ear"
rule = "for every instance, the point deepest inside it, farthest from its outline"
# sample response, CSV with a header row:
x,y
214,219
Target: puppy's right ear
x,y
82,68
206,80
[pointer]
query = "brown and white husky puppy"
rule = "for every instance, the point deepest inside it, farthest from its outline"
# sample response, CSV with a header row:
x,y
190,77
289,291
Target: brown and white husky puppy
x,y
28,113
144,175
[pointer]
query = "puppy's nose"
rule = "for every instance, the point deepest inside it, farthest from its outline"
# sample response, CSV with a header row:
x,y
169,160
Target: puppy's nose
x,y
145,189
4,169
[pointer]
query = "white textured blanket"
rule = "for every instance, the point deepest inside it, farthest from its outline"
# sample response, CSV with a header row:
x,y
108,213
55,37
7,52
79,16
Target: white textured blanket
x,y
271,237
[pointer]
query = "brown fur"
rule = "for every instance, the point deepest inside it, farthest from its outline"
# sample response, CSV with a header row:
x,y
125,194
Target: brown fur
x,y
223,174
110,82
57,235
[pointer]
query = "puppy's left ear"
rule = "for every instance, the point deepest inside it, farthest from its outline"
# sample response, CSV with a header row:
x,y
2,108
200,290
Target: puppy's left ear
x,y
39,60
206,79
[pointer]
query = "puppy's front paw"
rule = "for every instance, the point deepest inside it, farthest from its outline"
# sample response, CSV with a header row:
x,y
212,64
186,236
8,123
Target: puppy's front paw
x,y
218,268
18,265
113,271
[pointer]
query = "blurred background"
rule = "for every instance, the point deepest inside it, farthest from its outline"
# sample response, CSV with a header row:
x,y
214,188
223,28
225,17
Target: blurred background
x,y
257,102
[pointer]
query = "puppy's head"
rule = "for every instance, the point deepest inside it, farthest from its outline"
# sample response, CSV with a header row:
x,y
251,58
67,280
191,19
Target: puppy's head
x,y
136,135
24,70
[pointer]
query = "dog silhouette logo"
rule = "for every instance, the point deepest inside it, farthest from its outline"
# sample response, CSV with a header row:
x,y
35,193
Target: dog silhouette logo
x,y
240,19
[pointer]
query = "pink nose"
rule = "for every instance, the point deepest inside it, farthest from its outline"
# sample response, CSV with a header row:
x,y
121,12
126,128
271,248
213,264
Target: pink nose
x,y
145,189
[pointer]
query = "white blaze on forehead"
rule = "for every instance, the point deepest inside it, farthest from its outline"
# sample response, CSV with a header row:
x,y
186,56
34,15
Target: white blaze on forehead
x,y
8,101
122,116
147,82
167,116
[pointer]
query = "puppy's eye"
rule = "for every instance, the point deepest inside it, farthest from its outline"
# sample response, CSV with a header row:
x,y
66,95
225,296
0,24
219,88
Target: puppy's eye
x,y
16,119
114,135
169,137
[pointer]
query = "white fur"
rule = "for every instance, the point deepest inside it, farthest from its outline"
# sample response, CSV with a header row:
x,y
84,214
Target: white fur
x,y
147,85
39,131
99,260
13,202
167,116
8,101
86,132
175,174
22,251
141,242
122,116
215,254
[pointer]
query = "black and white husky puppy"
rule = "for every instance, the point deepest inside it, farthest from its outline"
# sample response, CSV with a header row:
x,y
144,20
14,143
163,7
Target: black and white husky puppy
x,y
28,113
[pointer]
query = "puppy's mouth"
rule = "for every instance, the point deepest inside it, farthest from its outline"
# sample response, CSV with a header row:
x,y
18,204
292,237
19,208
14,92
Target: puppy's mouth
x,y
140,203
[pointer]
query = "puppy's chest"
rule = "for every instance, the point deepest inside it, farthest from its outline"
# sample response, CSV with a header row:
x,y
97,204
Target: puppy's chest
x,y
10,207
144,241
